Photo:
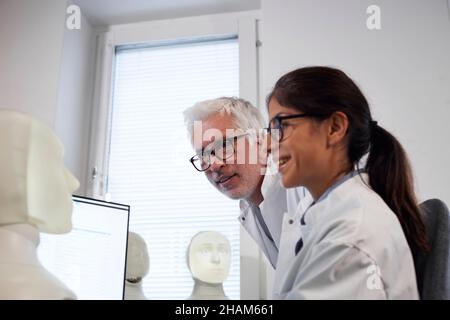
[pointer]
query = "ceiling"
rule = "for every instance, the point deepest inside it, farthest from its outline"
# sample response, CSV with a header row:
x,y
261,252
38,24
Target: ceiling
x,y
109,12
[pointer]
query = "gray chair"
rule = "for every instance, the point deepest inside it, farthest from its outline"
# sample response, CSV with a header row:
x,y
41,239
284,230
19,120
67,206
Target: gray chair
x,y
433,269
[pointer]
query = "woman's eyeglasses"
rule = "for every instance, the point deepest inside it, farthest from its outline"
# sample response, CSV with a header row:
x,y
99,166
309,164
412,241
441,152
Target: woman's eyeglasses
x,y
277,128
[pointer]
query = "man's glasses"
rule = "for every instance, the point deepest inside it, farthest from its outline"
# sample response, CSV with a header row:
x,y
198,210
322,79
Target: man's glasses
x,y
277,129
222,150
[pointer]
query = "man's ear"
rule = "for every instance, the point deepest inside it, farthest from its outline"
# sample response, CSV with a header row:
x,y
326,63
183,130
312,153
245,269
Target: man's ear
x,y
337,128
262,146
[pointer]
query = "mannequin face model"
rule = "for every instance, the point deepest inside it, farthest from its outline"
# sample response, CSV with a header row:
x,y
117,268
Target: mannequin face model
x,y
137,258
209,257
35,186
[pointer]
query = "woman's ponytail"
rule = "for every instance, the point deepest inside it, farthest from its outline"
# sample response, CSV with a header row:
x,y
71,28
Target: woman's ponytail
x,y
391,177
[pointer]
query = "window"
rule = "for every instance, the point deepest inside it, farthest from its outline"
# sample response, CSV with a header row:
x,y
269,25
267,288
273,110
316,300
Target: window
x,y
149,153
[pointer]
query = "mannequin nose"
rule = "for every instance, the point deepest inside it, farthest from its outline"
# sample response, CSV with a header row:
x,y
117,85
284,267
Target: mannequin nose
x,y
215,257
72,182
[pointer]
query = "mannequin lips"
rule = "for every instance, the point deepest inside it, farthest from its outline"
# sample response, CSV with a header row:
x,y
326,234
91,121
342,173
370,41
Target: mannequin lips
x,y
217,270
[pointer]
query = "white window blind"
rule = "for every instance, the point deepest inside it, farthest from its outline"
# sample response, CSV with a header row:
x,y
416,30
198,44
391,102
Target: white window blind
x,y
149,153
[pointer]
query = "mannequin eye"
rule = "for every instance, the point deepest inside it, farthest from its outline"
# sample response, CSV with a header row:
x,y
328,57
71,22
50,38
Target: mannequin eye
x,y
223,250
204,250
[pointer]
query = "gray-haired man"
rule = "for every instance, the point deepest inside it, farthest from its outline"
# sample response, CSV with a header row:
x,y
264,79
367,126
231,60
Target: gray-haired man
x,y
224,134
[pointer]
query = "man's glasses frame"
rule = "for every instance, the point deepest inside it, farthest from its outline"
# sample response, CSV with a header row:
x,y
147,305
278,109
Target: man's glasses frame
x,y
202,162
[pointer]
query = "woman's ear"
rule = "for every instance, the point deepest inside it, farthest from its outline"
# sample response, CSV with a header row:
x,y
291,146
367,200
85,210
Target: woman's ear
x,y
338,126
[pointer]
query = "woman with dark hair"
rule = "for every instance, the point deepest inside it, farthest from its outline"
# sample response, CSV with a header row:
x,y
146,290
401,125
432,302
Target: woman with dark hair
x,y
353,241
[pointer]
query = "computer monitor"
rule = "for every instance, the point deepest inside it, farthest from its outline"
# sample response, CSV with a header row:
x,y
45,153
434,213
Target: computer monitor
x,y
91,259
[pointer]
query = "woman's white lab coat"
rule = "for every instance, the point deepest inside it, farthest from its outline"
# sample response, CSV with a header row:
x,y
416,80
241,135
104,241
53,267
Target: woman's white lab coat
x,y
353,248
277,200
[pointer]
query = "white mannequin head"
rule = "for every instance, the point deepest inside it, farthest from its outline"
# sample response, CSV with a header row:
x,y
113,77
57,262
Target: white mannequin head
x,y
137,258
209,257
35,186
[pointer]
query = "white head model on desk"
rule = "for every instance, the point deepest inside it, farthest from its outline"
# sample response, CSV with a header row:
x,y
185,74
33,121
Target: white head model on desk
x,y
137,267
208,258
35,196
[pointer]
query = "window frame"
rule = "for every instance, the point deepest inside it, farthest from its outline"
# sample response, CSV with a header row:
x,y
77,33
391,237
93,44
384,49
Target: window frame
x,y
242,24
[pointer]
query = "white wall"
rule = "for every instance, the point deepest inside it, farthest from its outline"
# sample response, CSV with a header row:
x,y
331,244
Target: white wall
x,y
403,69
31,37
73,114
46,71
